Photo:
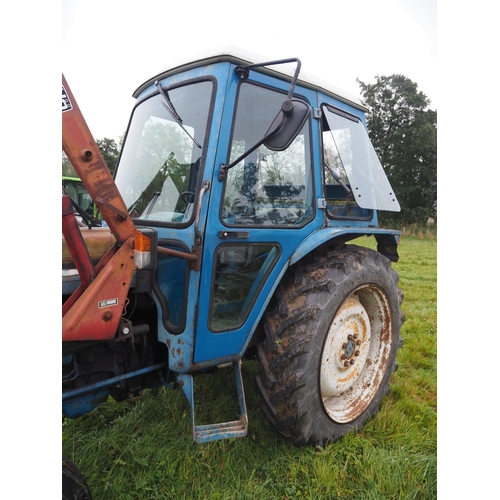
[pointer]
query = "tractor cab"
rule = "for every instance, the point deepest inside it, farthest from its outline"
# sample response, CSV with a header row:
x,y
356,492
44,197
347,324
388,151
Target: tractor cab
x,y
241,164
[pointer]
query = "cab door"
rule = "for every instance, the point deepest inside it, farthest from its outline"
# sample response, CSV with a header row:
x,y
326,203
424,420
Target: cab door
x,y
260,210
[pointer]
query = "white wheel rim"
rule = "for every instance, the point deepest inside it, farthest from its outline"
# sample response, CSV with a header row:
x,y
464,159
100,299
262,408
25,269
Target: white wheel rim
x,y
355,353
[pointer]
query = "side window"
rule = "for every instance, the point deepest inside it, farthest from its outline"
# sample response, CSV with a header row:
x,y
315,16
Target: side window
x,y
239,273
337,160
267,187
355,181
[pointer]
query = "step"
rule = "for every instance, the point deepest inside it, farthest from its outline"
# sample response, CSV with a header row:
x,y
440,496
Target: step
x,y
223,430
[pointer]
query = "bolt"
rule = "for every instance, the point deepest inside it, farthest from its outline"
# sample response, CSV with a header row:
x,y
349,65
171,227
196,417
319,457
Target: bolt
x,y
343,356
349,337
352,361
355,336
86,154
356,353
358,342
126,330
107,315
346,363
344,345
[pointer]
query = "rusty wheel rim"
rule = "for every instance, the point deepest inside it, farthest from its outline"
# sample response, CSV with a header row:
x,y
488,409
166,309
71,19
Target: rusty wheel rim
x,y
356,354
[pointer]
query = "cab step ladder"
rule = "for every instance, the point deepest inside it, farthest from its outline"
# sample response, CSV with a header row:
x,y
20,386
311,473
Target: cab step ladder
x,y
213,432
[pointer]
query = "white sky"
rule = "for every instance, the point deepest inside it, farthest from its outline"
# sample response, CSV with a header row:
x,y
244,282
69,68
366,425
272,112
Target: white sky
x,y
110,47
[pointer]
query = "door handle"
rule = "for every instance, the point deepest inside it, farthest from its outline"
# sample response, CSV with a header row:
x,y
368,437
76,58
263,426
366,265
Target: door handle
x,y
233,234
197,235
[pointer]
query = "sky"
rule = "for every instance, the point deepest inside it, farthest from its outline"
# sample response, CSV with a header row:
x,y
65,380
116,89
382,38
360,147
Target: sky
x,y
110,47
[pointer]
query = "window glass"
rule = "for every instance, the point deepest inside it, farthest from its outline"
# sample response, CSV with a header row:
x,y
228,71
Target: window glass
x,y
350,159
239,273
267,187
160,161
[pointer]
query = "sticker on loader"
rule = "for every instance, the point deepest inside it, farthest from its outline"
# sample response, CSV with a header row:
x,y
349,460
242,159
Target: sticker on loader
x,y
66,103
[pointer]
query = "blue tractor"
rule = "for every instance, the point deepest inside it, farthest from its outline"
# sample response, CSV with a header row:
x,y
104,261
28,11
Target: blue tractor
x,y
244,186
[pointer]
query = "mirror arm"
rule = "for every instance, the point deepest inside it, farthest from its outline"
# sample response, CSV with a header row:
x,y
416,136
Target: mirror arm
x,y
243,71
224,168
286,107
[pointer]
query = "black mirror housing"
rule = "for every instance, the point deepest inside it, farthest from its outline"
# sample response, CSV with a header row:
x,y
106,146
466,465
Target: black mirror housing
x,y
288,123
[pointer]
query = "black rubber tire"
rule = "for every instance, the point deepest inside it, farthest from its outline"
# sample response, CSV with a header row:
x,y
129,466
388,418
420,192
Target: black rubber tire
x,y
74,484
297,325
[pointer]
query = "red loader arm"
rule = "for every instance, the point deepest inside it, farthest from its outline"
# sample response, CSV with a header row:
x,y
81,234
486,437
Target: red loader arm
x,y
94,310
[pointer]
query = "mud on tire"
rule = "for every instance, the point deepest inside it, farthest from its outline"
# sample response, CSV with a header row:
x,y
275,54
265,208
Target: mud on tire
x,y
332,331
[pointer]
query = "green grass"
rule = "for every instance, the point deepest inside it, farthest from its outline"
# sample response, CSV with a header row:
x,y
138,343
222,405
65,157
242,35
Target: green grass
x,y
142,449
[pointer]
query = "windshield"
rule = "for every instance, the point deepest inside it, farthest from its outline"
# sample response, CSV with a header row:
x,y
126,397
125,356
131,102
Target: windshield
x,y
159,165
352,154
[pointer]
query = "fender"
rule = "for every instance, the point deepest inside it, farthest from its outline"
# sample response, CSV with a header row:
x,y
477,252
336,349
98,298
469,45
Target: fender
x,y
387,239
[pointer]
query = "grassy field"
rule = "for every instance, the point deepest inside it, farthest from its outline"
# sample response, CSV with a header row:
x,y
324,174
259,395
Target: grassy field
x,y
142,449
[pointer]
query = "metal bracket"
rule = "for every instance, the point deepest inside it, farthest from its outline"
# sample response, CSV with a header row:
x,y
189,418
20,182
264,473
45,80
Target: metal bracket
x,y
224,430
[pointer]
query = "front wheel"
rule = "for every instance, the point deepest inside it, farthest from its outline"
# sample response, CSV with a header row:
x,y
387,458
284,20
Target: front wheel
x,y
332,334
74,484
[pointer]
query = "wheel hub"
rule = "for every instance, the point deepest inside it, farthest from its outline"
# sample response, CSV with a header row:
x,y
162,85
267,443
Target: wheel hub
x,y
346,349
355,353
350,345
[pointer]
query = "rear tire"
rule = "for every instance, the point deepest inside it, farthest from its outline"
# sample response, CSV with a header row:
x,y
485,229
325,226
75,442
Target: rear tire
x,y
332,334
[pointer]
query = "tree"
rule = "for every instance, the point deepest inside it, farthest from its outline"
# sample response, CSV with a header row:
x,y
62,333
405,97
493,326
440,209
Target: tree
x,y
403,130
67,168
109,150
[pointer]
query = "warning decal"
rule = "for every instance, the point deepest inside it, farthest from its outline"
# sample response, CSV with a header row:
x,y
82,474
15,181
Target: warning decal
x,y
66,103
108,303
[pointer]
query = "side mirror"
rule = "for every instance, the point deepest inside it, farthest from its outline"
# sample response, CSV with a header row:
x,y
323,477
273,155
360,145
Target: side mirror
x,y
287,124
282,132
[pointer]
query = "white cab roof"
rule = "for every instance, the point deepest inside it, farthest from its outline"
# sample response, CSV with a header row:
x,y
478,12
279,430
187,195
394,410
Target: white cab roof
x,y
238,55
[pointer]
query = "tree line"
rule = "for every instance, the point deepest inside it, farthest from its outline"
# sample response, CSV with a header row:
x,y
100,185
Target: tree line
x,y
109,149
403,130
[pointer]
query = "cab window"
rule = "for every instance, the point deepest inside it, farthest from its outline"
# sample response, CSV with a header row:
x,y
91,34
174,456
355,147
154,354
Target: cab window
x,y
266,188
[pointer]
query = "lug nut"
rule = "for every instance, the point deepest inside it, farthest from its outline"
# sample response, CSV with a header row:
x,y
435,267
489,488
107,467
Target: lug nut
x,y
358,342
346,363
349,337
356,353
352,361
344,345
355,336
342,356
